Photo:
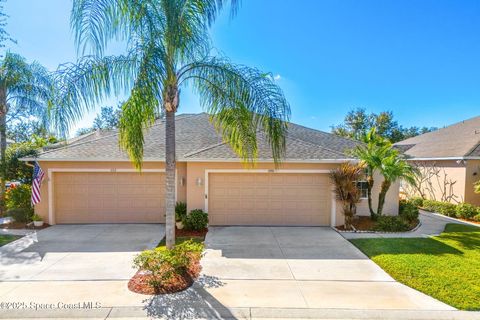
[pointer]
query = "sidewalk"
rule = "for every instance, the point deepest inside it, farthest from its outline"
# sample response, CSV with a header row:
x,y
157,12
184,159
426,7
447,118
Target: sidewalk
x,y
431,224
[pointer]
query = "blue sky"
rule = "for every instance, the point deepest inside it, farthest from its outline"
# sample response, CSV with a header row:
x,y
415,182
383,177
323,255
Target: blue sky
x,y
419,59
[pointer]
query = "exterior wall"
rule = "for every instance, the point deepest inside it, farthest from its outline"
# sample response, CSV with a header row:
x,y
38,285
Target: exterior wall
x,y
441,174
472,175
194,195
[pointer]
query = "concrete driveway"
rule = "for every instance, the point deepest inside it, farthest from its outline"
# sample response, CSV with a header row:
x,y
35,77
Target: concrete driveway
x,y
297,267
78,252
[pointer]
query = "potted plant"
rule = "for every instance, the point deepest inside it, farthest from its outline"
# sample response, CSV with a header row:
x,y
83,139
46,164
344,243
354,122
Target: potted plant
x,y
37,220
180,214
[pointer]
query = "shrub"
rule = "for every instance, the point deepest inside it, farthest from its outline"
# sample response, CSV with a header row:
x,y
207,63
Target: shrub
x,y
465,211
417,201
19,197
196,220
446,208
477,218
23,215
180,211
391,224
409,211
165,265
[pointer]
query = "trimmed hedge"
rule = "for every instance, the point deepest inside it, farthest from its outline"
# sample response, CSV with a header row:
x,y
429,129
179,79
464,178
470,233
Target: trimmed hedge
x,y
461,210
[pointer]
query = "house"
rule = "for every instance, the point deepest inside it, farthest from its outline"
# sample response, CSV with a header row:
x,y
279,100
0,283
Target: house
x,y
448,160
91,180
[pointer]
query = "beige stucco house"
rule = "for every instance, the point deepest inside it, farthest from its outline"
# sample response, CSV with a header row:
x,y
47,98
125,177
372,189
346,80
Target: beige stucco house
x,y
448,160
90,180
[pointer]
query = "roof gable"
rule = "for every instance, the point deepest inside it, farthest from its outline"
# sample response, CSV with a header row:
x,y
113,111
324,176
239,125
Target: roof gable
x,y
458,140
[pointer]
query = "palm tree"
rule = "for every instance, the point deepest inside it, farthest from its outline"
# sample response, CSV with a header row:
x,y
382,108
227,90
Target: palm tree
x,y
25,90
393,167
371,154
345,179
168,47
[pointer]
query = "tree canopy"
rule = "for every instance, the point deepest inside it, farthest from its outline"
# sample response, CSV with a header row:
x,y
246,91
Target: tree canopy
x,y
358,123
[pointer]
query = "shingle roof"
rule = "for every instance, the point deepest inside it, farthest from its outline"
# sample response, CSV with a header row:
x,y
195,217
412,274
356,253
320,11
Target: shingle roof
x,y
197,139
459,140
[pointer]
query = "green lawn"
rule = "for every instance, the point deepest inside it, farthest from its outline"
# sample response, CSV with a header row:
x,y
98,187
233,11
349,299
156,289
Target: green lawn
x,y
4,239
446,267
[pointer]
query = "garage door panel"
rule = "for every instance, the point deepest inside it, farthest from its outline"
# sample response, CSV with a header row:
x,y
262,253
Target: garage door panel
x,y
109,197
269,199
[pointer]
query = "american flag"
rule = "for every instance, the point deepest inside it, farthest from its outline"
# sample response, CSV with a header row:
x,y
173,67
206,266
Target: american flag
x,y
38,175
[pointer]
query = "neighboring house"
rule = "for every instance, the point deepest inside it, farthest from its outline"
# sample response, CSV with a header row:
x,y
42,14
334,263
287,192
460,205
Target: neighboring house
x,y
91,180
448,160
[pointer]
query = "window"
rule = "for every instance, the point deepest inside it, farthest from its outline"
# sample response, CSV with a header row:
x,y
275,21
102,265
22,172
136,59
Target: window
x,y
363,188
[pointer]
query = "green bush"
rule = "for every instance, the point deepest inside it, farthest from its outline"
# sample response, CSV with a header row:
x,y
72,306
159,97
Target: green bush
x,y
391,224
416,201
477,218
180,211
465,211
23,215
19,197
164,264
445,208
196,220
408,210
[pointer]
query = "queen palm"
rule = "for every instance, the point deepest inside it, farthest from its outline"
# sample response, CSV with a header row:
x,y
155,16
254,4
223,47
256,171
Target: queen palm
x,y
371,154
168,48
393,168
25,91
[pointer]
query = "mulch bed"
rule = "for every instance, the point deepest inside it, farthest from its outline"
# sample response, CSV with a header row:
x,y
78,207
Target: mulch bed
x,y
191,233
360,223
140,282
22,225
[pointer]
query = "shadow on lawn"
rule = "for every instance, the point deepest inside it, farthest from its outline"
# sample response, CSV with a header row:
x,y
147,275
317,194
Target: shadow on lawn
x,y
193,303
469,241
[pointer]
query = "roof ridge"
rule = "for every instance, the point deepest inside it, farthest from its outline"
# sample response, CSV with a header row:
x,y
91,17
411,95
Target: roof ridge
x,y
470,151
189,154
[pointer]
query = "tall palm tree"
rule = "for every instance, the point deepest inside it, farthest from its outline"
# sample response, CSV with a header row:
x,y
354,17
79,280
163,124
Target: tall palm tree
x,y
371,154
25,90
392,168
168,47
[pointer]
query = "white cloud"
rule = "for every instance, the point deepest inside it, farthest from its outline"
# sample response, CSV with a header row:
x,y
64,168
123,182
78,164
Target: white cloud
x,y
277,77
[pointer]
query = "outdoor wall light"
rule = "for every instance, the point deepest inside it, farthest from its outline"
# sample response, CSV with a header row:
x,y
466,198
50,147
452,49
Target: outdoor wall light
x,y
182,181
199,182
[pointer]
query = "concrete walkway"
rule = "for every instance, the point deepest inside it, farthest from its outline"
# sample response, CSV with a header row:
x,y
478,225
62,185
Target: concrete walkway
x,y
431,225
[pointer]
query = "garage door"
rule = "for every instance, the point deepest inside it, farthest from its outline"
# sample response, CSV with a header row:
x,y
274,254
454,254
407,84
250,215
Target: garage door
x,y
269,199
104,197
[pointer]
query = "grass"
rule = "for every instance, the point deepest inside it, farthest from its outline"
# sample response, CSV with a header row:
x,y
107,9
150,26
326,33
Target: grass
x,y
446,267
178,240
4,239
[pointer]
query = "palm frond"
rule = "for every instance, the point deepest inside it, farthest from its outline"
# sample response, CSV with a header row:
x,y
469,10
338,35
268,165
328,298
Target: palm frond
x,y
84,84
223,86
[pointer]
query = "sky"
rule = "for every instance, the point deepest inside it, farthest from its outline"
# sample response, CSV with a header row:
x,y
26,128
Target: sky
x,y
418,59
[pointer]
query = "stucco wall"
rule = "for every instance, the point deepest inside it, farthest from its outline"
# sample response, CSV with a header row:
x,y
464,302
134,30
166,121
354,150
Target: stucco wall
x,y
441,173
472,175
194,194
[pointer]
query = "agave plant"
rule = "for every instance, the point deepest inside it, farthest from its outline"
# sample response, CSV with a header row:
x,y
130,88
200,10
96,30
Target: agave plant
x,y
168,48
344,179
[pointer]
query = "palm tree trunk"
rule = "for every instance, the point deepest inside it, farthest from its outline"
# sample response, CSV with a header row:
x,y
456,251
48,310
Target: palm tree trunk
x,y
381,196
3,146
170,166
370,182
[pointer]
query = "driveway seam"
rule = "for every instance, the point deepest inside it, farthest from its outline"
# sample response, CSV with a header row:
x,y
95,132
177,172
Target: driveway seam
x,y
289,268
